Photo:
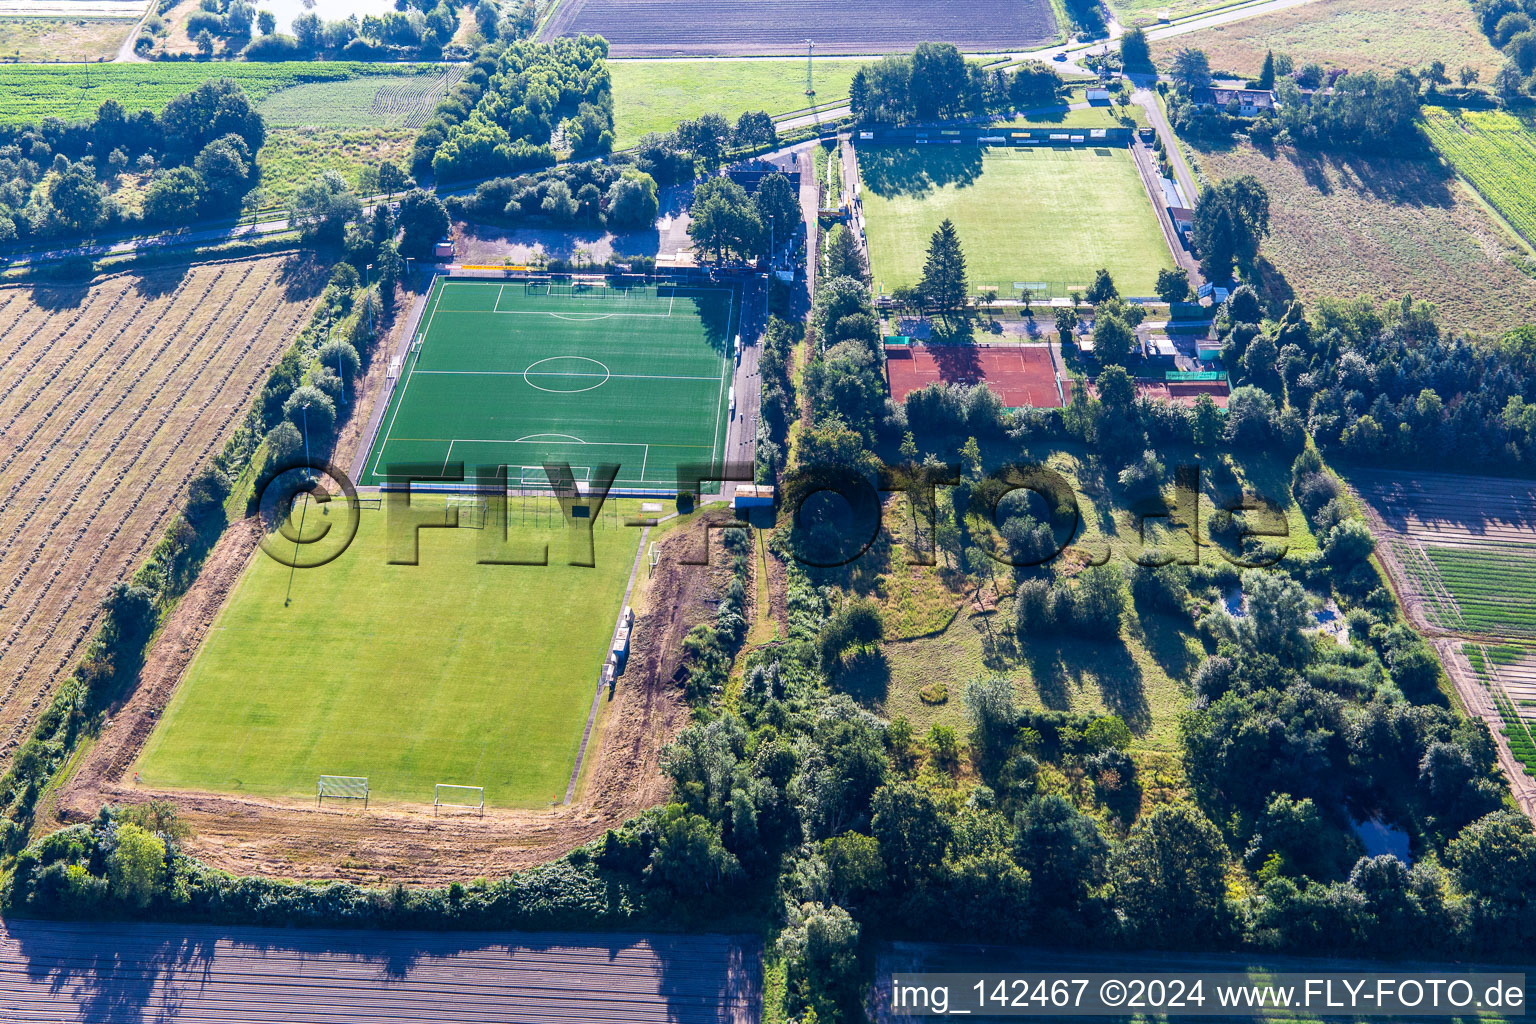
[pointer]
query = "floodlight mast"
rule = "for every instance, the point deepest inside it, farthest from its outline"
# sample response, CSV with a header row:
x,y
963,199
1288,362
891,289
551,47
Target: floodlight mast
x,y
810,87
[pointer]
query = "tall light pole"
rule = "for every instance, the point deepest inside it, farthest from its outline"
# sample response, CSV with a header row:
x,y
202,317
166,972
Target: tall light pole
x,y
367,287
810,85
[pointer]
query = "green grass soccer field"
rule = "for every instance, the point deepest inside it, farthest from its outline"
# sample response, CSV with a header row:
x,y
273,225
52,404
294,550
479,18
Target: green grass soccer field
x,y
445,671
1038,216
520,373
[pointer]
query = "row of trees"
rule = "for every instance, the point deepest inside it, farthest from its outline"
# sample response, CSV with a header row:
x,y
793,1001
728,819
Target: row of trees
x,y
420,29
937,82
1511,26
616,195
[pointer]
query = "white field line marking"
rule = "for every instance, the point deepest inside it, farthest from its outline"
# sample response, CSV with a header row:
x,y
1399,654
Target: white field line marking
x,y
404,388
724,366
553,373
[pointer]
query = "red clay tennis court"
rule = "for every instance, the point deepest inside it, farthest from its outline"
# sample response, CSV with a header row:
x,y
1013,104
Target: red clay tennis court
x,y
1021,375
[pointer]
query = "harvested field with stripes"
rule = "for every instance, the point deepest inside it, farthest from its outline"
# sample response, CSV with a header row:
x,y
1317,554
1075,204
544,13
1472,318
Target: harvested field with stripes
x,y
63,971
660,28
116,393
1462,553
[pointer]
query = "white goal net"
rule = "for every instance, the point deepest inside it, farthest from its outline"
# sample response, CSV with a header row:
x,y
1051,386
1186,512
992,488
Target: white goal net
x,y
343,787
468,797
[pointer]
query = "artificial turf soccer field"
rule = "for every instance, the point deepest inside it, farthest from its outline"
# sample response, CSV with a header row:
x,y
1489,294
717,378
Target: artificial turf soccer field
x,y
444,671
518,374
1053,216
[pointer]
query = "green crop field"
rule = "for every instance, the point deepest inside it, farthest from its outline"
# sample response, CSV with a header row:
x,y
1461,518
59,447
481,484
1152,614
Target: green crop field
x,y
1495,590
510,374
1049,215
444,671
1496,152
654,95
391,101
29,93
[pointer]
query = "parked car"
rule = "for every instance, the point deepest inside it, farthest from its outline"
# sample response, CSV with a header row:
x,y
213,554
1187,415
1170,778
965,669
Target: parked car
x,y
1060,58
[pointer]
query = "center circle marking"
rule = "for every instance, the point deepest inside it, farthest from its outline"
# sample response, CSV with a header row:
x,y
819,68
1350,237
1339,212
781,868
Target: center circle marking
x,y
607,374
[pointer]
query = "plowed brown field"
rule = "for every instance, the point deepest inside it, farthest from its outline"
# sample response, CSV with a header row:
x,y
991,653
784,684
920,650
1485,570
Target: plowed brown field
x,y
656,28
112,395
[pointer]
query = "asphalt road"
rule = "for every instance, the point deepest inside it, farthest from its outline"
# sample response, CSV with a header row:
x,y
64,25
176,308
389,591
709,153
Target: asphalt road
x,y
111,973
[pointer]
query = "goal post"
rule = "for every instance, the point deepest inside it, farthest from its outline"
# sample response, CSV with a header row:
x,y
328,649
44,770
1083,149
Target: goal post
x,y
445,794
343,787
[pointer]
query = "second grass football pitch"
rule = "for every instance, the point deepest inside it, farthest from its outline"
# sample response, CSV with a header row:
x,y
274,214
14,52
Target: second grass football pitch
x,y
518,374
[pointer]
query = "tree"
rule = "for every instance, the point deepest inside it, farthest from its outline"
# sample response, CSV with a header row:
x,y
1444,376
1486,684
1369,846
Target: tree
x,y
1231,218
1173,285
206,492
1348,544
1468,75
1113,339
204,43
754,128
423,221
311,407
706,138
78,201
323,208
1116,389
136,866
1061,848
1170,877
944,281
1191,68
1066,322
689,858
911,828
1267,74
266,22
777,206
1135,54
174,197
632,202
392,178
723,220
1103,288
487,14
1277,617
226,170
844,258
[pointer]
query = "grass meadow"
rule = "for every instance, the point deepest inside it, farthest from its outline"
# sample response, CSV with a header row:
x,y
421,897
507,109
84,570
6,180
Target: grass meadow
x,y
654,95
1496,152
62,39
1358,35
1046,215
1383,228
445,671
292,157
